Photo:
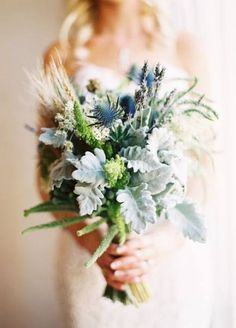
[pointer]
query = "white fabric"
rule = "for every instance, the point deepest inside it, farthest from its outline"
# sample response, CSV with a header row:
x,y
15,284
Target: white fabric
x,y
181,285
214,24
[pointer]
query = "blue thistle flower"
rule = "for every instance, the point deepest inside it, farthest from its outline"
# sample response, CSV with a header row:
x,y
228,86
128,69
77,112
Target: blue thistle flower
x,y
106,113
128,105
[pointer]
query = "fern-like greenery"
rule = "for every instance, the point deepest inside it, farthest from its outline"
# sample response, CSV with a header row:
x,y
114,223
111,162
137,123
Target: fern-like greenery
x,y
83,130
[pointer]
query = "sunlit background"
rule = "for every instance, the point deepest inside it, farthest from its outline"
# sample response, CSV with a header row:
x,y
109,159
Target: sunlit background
x,y
27,27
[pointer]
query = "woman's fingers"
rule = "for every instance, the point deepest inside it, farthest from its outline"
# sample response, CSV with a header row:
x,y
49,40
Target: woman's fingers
x,y
125,262
111,280
130,246
145,254
125,275
131,261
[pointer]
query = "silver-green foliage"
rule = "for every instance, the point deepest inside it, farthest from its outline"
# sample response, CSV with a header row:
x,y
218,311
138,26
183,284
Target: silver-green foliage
x,y
89,197
186,217
91,181
137,206
139,159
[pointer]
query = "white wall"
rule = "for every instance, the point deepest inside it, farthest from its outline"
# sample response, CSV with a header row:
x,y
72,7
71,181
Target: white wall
x,y
27,296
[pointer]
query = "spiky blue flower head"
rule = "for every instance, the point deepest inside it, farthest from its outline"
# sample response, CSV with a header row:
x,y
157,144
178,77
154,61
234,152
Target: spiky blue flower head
x,y
137,75
128,105
106,113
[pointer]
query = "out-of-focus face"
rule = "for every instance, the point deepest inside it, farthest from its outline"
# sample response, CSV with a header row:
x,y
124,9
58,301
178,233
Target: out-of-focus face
x,y
114,1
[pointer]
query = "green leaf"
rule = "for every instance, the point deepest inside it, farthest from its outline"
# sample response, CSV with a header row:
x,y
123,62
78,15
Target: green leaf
x,y
51,206
105,243
139,159
137,207
54,224
182,94
188,220
208,116
90,227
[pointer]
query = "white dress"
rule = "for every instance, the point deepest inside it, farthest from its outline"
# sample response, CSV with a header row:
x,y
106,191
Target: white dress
x,y
181,285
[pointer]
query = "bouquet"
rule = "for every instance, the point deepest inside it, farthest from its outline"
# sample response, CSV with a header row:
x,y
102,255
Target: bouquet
x,y
120,156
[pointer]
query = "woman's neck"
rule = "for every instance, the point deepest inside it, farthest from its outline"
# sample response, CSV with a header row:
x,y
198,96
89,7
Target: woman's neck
x,y
119,18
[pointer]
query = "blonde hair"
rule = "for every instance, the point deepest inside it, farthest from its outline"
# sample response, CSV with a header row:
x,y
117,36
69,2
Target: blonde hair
x,y
79,25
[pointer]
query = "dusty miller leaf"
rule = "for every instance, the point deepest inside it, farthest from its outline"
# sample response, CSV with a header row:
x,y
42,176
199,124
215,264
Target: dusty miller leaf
x,y
188,220
53,137
137,207
139,159
156,180
160,139
89,199
90,168
62,169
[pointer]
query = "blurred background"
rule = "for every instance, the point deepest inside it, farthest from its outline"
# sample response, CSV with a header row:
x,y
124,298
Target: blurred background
x,y
27,27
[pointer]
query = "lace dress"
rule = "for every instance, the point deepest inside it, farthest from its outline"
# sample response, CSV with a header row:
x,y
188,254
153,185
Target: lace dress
x,y
181,284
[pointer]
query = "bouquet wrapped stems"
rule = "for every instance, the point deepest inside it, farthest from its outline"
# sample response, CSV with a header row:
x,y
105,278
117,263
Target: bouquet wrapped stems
x,y
135,293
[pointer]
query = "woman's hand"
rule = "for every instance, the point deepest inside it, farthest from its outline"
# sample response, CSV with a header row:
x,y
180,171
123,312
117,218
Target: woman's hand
x,y
128,263
139,255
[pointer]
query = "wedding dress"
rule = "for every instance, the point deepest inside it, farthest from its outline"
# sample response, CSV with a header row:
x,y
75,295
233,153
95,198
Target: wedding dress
x,y
180,285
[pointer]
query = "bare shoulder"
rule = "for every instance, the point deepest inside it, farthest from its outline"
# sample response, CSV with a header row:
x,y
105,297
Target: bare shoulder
x,y
52,53
192,57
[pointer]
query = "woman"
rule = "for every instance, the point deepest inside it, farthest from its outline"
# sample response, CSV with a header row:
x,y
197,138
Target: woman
x,y
102,39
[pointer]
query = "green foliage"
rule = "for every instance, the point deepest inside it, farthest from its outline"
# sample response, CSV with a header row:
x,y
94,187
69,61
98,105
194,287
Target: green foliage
x,y
83,130
47,155
54,224
105,243
119,134
114,170
123,181
117,295
108,149
120,223
117,219
51,206
90,227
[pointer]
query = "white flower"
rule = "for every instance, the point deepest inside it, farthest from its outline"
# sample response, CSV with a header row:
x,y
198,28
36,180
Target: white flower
x,y
69,106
